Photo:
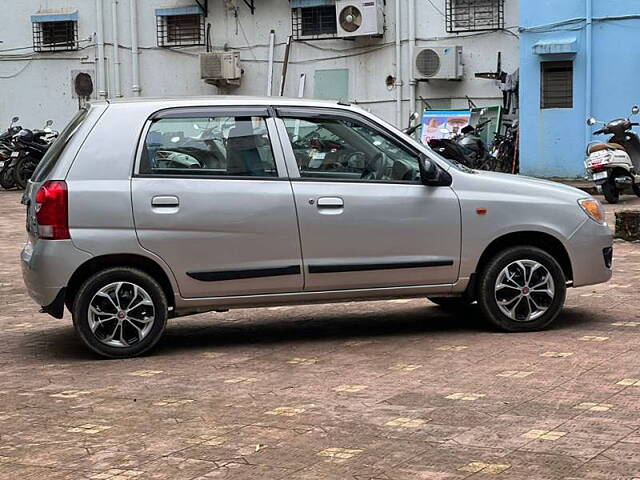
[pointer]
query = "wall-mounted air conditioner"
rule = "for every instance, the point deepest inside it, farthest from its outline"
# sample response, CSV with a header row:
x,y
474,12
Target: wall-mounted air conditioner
x,y
221,68
439,63
356,18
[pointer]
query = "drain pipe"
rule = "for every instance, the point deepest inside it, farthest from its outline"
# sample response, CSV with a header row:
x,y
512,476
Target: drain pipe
x,y
102,74
135,51
398,82
116,49
272,42
412,49
589,80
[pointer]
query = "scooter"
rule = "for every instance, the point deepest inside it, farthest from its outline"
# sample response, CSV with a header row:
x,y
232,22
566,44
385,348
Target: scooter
x,y
615,165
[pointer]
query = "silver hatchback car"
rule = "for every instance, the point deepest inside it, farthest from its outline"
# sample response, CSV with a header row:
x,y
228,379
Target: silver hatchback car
x,y
146,210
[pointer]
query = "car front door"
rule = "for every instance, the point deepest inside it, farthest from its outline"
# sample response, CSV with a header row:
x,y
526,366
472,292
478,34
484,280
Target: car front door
x,y
366,220
211,198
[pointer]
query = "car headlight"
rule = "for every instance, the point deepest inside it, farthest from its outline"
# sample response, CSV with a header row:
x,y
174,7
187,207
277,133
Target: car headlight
x,y
593,209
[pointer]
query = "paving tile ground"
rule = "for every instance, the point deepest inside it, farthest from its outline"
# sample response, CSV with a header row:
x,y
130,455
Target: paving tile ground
x,y
376,390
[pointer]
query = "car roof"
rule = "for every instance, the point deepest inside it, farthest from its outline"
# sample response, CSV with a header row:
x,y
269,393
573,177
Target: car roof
x,y
225,100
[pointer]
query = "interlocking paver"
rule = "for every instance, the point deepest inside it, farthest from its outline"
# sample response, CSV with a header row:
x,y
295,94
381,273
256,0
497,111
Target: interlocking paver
x,y
374,390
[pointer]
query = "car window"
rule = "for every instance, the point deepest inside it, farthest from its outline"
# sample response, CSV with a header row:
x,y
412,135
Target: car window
x,y
213,146
54,152
342,149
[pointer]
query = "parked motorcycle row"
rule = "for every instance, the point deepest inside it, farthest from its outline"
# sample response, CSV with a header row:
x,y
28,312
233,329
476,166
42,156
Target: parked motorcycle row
x,y
468,148
614,165
21,150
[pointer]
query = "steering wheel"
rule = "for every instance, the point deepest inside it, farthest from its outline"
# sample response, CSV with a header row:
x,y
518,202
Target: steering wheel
x,y
374,168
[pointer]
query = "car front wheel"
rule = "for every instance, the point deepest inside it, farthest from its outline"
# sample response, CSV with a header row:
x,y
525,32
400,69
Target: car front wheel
x,y
120,312
522,289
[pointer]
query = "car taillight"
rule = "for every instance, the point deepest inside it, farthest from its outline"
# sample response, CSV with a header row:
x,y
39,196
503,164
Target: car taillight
x,y
52,211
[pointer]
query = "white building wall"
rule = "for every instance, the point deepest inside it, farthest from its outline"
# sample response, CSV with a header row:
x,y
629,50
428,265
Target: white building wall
x,y
38,86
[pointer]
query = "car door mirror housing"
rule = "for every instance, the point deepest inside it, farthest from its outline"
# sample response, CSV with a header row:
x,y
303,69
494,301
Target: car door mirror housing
x,y
431,174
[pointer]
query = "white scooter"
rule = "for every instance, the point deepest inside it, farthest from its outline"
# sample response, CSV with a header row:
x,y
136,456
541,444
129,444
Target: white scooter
x,y
615,165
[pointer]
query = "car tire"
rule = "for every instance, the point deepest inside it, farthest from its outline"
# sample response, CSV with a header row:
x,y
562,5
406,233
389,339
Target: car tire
x,y
110,328
451,304
522,289
610,192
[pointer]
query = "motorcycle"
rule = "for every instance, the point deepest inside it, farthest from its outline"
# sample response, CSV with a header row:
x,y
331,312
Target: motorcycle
x,y
466,148
615,165
30,147
6,151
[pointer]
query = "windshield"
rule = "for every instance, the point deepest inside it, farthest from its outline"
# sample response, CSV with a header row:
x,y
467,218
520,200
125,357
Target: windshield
x,y
54,152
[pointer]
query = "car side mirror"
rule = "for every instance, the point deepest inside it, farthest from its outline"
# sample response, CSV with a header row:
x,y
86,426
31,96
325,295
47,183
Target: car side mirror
x,y
591,121
15,119
431,174
635,110
49,123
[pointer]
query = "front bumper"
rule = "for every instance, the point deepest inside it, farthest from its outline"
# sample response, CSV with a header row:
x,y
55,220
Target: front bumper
x,y
590,251
47,266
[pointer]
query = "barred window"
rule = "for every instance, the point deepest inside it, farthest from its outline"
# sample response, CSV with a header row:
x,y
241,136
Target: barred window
x,y
55,36
314,22
474,15
180,30
556,85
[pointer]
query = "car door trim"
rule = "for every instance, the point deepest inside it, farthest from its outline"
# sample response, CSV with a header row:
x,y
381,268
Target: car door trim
x,y
363,267
224,275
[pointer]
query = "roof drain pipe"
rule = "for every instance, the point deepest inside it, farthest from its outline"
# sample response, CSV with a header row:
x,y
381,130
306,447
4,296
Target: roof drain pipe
x,y
116,49
589,80
412,48
102,74
398,81
272,43
135,51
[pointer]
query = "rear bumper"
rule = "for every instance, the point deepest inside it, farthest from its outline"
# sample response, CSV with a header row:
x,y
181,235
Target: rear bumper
x,y
590,251
47,266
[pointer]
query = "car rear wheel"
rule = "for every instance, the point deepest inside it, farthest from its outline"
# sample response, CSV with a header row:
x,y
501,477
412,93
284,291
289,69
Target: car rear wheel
x,y
120,312
522,289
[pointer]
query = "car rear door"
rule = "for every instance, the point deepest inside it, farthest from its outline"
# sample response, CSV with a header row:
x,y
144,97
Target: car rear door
x,y
211,198
366,220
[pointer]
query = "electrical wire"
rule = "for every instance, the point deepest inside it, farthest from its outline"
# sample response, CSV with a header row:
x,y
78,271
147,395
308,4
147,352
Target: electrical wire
x,y
6,77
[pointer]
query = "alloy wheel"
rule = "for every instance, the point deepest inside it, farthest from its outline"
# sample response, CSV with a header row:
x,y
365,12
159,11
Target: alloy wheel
x,y
524,290
121,314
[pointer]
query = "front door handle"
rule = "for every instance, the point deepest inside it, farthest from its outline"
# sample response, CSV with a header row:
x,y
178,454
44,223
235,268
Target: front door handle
x,y
166,201
330,202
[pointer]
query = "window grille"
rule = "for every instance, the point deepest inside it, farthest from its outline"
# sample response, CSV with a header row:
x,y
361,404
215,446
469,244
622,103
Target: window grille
x,y
180,30
314,22
556,85
474,15
55,36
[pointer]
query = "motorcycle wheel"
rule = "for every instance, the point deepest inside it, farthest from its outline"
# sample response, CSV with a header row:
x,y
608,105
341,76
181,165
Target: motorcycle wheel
x,y
636,189
610,191
6,178
23,171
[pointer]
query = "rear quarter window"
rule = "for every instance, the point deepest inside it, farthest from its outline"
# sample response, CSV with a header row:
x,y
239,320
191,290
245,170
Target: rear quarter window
x,y
56,149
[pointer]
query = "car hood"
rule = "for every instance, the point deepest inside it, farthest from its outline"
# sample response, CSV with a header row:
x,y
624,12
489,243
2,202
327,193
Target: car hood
x,y
528,186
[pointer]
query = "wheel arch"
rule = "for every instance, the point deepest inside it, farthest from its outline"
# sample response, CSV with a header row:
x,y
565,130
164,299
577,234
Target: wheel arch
x,y
541,240
103,262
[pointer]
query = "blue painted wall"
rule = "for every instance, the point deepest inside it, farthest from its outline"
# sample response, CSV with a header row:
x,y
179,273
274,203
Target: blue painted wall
x,y
553,141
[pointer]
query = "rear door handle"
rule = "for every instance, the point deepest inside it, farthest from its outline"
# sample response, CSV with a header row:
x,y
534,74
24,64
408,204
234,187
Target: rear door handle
x,y
166,201
330,202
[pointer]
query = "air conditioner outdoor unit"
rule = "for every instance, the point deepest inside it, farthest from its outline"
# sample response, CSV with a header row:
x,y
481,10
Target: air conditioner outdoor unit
x,y
356,18
221,68
439,63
